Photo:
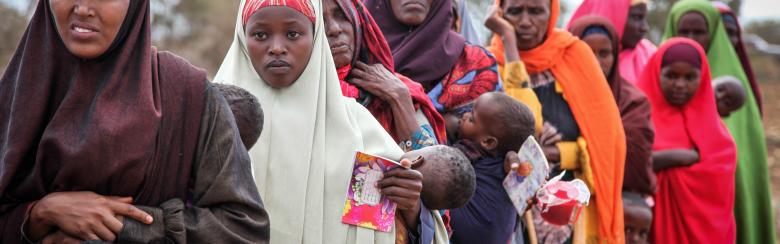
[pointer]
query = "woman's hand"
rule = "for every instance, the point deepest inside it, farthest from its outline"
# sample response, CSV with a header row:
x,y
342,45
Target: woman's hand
x,y
548,140
60,238
84,215
403,185
497,24
379,81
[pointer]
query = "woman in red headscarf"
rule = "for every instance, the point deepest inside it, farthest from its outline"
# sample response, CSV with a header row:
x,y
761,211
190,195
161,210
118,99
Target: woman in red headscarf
x,y
693,154
734,30
568,91
366,70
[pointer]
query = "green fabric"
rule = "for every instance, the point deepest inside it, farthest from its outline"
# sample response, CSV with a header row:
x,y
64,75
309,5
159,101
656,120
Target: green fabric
x,y
753,203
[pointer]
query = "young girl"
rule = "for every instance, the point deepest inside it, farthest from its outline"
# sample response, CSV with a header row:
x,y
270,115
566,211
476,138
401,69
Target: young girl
x,y
303,160
694,154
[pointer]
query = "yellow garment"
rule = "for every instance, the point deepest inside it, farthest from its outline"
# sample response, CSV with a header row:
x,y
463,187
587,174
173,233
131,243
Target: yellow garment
x,y
574,155
635,2
303,161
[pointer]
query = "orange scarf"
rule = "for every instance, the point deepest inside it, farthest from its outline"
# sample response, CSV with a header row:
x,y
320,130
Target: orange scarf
x,y
591,101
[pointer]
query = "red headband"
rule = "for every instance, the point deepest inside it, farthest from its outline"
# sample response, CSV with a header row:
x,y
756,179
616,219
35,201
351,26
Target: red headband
x,y
302,6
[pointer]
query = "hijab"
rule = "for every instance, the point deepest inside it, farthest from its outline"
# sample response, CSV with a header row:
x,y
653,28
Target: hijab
x,y
631,60
587,92
123,124
753,194
726,12
303,161
694,204
425,53
372,48
634,111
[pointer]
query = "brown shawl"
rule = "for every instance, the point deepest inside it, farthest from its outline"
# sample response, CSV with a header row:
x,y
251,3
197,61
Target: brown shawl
x,y
635,113
123,124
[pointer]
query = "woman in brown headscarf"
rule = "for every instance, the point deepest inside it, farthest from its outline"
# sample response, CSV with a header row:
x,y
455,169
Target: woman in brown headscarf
x,y
634,107
102,137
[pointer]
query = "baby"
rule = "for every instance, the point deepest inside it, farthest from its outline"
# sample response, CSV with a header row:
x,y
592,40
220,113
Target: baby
x,y
637,218
448,177
729,94
247,112
497,125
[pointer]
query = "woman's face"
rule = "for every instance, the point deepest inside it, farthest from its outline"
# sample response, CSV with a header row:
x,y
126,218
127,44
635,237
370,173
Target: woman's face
x,y
529,17
733,31
280,41
693,26
340,32
602,48
636,26
88,28
411,12
679,82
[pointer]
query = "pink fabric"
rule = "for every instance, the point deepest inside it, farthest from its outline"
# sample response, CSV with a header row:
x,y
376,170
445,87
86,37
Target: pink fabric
x,y
614,10
633,61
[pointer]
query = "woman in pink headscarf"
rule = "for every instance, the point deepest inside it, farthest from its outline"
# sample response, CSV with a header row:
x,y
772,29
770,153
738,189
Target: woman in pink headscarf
x,y
629,18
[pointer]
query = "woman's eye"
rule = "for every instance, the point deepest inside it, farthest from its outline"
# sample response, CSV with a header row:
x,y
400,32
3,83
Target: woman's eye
x,y
293,35
260,35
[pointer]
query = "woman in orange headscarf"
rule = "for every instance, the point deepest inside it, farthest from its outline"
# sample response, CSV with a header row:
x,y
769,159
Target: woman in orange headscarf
x,y
582,131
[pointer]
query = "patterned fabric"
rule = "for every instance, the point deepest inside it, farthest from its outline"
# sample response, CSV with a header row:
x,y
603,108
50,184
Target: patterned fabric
x,y
302,6
475,73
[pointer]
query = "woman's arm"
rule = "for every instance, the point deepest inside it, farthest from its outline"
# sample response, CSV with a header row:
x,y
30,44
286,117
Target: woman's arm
x,y
225,206
666,159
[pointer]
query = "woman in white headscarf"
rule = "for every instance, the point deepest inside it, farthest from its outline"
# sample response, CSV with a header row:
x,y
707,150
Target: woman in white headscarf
x,y
303,161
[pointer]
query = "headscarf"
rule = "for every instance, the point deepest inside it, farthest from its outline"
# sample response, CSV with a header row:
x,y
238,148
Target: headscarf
x,y
633,60
425,53
303,161
694,204
753,201
726,11
303,7
593,106
122,124
372,48
634,111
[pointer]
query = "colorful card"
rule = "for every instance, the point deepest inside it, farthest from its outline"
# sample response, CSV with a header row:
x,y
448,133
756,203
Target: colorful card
x,y
365,206
521,188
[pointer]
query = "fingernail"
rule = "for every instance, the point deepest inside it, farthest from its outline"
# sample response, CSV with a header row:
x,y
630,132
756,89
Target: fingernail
x,y
149,219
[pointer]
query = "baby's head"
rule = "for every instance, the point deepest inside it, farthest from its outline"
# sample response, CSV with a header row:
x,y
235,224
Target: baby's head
x,y
729,94
247,111
448,177
279,39
637,218
498,123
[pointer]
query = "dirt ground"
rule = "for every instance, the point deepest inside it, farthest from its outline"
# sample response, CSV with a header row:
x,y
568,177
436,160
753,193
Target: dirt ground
x,y
771,93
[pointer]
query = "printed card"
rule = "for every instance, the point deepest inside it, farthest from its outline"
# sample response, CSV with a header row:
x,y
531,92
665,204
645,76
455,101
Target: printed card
x,y
521,188
365,206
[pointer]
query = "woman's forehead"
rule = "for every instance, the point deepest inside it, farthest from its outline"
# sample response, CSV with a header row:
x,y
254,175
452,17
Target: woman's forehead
x,y
527,3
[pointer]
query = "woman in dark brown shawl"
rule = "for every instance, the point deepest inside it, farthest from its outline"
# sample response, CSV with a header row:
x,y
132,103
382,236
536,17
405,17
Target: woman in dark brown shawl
x,y
634,107
93,140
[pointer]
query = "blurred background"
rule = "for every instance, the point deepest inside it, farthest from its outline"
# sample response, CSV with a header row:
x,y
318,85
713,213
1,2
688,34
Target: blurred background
x,y
202,30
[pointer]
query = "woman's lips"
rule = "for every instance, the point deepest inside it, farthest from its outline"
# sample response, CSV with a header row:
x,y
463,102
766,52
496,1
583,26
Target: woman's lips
x,y
278,67
339,49
83,32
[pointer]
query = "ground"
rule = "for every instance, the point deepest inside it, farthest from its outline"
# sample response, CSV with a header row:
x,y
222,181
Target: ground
x,y
771,93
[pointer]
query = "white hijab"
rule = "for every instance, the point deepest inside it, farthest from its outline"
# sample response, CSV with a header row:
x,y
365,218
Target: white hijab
x,y
303,160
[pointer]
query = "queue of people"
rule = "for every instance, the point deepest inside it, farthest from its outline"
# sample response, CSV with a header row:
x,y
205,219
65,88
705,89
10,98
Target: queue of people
x,y
103,138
